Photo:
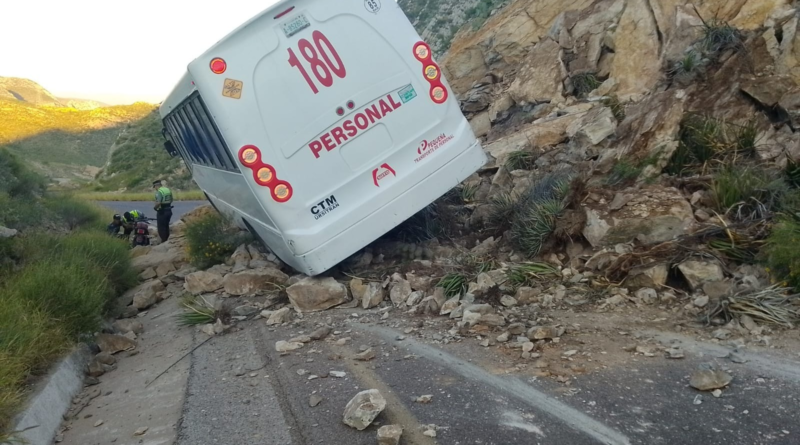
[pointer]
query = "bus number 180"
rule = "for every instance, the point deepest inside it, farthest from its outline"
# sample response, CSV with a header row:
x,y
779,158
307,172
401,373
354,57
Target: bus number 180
x,y
318,55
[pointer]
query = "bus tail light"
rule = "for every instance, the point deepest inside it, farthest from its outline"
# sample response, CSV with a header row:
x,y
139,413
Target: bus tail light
x,y
439,94
282,191
431,72
265,174
218,66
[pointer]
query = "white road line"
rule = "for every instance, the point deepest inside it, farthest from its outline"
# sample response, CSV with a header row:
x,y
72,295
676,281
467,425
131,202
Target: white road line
x,y
512,386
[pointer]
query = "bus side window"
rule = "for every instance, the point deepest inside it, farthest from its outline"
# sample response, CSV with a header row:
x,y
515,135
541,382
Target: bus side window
x,y
191,141
199,137
212,137
173,129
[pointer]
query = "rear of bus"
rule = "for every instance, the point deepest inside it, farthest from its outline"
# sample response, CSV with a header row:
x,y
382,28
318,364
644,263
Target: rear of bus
x,y
341,123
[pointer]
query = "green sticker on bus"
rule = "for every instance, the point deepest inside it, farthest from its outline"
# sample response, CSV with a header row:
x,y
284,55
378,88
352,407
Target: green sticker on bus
x,y
407,93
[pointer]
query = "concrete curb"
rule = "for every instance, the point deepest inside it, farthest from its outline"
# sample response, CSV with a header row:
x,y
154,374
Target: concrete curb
x,y
46,409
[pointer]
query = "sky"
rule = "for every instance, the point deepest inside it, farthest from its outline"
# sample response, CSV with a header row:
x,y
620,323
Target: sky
x,y
117,52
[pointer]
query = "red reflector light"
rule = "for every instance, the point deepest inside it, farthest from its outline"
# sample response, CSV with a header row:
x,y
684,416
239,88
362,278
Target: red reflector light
x,y
284,13
439,94
218,66
282,192
351,104
340,111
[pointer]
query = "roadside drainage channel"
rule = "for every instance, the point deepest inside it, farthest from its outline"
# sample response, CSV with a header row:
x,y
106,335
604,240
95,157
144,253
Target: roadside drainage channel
x,y
39,422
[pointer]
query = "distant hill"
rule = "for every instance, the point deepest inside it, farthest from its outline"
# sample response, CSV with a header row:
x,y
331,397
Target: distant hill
x,y
82,104
138,156
28,91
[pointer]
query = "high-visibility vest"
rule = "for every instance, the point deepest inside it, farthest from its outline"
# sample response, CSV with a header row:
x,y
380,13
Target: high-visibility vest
x,y
166,195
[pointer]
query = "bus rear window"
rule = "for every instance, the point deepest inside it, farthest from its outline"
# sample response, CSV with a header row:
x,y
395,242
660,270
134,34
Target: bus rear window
x,y
197,137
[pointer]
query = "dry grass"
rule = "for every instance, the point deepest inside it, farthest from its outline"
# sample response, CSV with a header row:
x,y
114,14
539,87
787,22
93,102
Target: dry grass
x,y
188,195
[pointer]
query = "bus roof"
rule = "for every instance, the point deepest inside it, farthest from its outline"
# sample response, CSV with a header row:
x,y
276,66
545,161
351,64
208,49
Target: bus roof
x,y
182,90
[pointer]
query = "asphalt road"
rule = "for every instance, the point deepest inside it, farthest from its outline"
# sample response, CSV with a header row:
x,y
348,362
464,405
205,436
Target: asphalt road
x,y
180,208
242,391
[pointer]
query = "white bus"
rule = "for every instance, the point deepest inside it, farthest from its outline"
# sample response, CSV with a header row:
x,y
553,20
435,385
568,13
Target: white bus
x,y
319,126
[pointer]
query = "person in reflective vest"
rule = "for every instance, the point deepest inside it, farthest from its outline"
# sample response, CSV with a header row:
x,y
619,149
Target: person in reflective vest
x,y
163,210
129,220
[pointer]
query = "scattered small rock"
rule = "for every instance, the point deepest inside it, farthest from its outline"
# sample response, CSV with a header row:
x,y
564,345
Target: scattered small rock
x,y
99,422
141,431
314,401
338,374
321,333
285,346
717,393
675,353
365,356
363,409
425,399
389,435
113,344
708,379
701,301
430,431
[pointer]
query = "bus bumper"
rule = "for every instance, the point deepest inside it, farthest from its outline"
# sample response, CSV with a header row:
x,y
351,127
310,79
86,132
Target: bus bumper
x,y
390,215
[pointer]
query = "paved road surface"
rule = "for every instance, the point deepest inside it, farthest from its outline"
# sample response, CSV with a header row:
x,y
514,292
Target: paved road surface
x,y
180,207
242,391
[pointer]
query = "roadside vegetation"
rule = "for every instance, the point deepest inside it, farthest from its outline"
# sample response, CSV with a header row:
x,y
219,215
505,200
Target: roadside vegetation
x,y
58,277
211,239
185,195
138,157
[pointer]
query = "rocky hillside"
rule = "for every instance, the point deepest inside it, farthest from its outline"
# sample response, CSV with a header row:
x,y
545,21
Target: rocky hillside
x,y
438,21
28,91
137,156
66,140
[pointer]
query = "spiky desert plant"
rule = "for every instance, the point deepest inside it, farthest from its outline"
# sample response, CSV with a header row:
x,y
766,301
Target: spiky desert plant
x,y
520,160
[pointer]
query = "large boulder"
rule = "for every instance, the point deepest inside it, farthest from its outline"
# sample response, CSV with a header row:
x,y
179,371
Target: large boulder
x,y
316,294
240,260
637,66
544,132
122,327
158,255
254,281
363,409
203,282
111,343
698,273
655,215
146,294
541,78
370,294
594,127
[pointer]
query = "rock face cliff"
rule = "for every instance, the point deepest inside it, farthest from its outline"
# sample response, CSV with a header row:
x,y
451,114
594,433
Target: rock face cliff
x,y
438,21
658,111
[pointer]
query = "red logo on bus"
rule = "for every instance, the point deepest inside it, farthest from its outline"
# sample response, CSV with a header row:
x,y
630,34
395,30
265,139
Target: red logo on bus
x,y
381,173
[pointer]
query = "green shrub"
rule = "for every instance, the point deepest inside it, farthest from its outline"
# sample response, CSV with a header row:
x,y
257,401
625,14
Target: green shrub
x,y
29,341
782,254
705,139
585,83
503,207
535,214
751,192
686,67
520,160
73,293
16,179
616,106
109,256
72,213
719,36
529,273
623,172
212,239
454,284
